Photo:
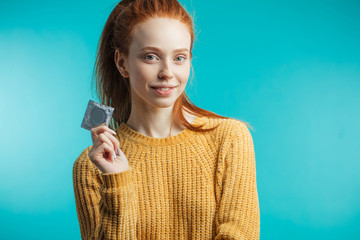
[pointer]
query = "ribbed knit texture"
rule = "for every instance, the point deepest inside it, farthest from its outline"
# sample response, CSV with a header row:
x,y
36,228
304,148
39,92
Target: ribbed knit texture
x,y
189,186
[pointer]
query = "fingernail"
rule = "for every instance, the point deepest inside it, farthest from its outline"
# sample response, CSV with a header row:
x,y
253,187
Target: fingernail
x,y
118,151
114,156
113,132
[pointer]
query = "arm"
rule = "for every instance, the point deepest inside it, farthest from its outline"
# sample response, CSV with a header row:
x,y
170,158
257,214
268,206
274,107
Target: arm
x,y
105,203
238,215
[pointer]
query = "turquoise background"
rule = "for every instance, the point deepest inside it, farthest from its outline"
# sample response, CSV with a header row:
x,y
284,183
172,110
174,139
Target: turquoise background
x,y
289,68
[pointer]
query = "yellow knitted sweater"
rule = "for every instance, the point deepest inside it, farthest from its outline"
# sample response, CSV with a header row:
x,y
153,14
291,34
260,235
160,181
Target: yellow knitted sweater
x,y
194,185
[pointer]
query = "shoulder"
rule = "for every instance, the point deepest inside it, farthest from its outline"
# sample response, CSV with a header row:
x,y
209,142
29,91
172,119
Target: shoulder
x,y
86,177
227,131
82,162
226,127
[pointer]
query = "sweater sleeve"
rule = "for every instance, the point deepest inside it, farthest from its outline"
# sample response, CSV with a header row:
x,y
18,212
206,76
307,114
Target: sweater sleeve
x,y
105,203
238,214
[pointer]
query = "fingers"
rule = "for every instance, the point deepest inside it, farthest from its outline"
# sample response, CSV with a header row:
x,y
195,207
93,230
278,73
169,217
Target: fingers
x,y
105,144
102,134
100,129
107,138
106,148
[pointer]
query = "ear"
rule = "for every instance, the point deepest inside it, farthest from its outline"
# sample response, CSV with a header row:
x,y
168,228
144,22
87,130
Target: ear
x,y
121,63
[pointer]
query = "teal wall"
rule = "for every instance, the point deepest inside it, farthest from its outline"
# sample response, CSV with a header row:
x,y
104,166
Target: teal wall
x,y
289,68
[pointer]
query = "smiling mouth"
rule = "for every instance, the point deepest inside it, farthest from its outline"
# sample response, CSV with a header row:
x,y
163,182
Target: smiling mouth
x,y
163,88
164,91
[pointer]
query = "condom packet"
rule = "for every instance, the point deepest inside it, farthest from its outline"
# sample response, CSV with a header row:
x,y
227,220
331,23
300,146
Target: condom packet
x,y
96,114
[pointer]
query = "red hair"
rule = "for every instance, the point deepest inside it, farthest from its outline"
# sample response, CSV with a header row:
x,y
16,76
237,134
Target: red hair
x,y
112,88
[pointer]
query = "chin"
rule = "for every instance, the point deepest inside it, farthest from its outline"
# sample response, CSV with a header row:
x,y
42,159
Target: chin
x,y
165,103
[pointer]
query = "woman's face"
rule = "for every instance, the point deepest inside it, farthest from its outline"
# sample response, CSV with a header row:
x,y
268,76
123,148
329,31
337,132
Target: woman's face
x,y
158,63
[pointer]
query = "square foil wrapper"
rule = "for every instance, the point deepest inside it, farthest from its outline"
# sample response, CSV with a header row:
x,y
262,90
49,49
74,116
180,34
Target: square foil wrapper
x,y
96,114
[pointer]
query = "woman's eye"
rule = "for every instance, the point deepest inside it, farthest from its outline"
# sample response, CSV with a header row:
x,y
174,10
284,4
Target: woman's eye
x,y
150,57
180,58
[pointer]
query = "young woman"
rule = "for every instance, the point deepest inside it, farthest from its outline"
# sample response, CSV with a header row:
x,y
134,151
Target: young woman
x,y
170,170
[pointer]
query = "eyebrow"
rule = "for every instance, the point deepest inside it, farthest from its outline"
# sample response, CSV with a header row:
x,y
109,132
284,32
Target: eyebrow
x,y
159,50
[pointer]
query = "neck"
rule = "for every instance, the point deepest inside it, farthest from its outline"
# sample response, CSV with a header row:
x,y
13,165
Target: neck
x,y
155,122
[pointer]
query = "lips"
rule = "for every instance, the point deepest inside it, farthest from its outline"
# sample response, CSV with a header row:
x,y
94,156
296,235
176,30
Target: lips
x,y
164,90
163,86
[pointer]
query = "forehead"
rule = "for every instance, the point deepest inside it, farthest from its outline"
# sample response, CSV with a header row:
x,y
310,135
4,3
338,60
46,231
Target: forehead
x,y
163,33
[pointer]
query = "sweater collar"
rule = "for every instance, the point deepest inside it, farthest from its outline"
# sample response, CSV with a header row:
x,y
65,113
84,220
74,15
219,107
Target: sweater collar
x,y
128,133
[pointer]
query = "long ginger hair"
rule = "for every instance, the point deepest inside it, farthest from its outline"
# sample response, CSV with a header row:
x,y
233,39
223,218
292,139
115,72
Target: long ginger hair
x,y
111,87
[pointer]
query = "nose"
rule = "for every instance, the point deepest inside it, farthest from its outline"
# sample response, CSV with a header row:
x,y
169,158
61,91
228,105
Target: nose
x,y
166,72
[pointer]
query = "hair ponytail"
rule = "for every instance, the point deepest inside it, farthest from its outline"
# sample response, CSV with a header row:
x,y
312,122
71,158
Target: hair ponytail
x,y
112,88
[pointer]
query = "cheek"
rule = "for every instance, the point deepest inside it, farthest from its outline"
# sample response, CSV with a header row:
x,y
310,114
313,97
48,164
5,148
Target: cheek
x,y
144,72
139,76
184,74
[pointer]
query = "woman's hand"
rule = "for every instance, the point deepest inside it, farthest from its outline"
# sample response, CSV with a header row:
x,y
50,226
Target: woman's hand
x,y
104,149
